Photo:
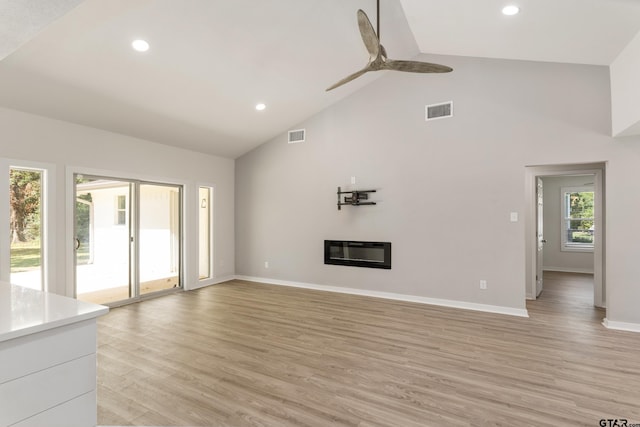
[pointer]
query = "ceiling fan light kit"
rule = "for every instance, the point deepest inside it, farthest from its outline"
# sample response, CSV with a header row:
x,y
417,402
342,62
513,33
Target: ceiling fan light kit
x,y
378,59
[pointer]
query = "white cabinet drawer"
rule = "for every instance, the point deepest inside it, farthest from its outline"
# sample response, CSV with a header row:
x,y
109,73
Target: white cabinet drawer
x,y
43,390
32,353
79,412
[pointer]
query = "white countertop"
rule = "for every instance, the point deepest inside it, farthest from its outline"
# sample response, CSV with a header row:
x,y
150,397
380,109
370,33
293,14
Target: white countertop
x,y
25,311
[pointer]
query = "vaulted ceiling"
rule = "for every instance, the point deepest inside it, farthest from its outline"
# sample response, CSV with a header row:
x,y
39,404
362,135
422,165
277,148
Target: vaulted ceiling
x,y
211,61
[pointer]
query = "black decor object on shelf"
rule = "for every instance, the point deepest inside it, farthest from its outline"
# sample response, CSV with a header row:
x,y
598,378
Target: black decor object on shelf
x,y
355,198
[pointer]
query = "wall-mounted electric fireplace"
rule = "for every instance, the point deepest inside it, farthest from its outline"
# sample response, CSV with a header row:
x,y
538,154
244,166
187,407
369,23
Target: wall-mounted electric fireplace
x,y
358,254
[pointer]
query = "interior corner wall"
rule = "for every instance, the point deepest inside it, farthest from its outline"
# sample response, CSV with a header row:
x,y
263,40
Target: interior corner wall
x,y
446,188
33,138
554,258
625,90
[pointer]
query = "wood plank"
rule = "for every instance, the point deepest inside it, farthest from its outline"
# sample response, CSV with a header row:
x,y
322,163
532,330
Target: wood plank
x,y
247,354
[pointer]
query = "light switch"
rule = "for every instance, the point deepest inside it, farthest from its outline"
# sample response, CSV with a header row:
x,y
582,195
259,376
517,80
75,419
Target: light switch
x,y
514,216
353,180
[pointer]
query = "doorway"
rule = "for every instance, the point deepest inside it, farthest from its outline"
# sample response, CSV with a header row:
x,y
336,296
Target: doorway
x,y
577,238
567,297
128,241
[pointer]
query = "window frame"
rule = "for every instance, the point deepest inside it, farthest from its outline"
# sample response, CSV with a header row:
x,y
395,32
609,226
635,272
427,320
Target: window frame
x,y
120,210
206,234
566,246
47,221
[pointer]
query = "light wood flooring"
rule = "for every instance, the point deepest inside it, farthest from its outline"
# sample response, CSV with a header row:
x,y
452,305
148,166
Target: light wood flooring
x,y
121,293
246,354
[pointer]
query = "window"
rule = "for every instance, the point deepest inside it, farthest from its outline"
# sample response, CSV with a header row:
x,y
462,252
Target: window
x,y
121,210
26,214
577,219
204,236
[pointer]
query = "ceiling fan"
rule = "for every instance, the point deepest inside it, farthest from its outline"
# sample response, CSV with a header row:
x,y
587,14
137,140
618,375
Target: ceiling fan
x,y
378,59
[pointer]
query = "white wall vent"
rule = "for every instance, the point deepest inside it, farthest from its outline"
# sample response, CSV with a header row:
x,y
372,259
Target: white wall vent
x,y
296,136
439,111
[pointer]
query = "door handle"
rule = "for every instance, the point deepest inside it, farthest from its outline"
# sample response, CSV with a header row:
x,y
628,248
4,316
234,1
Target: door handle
x,y
543,240
77,243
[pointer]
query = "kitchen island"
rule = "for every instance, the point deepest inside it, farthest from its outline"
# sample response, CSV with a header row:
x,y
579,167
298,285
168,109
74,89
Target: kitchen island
x,y
47,359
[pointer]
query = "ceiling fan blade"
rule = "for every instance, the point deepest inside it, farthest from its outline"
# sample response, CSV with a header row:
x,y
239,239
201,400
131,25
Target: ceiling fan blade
x,y
368,34
348,78
378,54
383,52
416,67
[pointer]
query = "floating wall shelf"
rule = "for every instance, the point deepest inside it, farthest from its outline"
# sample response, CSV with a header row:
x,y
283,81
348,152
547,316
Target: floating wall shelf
x,y
355,198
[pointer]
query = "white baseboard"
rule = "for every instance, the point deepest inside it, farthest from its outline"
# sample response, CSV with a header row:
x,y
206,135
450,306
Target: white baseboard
x,y
210,282
621,326
393,296
569,270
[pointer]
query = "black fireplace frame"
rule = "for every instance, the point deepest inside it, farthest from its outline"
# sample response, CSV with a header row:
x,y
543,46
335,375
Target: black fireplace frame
x,y
386,246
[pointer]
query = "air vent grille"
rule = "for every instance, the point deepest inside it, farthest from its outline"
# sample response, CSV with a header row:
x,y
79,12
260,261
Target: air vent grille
x,y
296,136
439,111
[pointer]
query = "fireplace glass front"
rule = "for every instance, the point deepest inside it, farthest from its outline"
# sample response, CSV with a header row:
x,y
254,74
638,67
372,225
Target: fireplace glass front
x,y
358,253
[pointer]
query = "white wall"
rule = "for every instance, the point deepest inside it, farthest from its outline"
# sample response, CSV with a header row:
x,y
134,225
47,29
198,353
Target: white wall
x,y
625,90
68,147
110,240
446,188
554,258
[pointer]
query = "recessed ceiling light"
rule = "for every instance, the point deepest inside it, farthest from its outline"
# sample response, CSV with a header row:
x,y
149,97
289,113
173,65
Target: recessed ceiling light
x,y
140,45
260,106
510,10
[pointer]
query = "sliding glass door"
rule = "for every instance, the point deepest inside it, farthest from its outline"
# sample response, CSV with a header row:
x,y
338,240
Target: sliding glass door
x,y
159,236
127,238
103,239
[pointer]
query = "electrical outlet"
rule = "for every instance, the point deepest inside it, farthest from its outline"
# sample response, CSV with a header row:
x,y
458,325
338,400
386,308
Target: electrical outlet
x,y
266,264
483,284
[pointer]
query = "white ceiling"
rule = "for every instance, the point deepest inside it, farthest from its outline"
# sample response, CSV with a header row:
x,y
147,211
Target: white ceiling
x,y
211,61
573,31
21,20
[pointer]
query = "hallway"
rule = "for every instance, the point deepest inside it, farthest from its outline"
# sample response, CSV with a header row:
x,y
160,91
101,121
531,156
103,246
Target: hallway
x,y
566,297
